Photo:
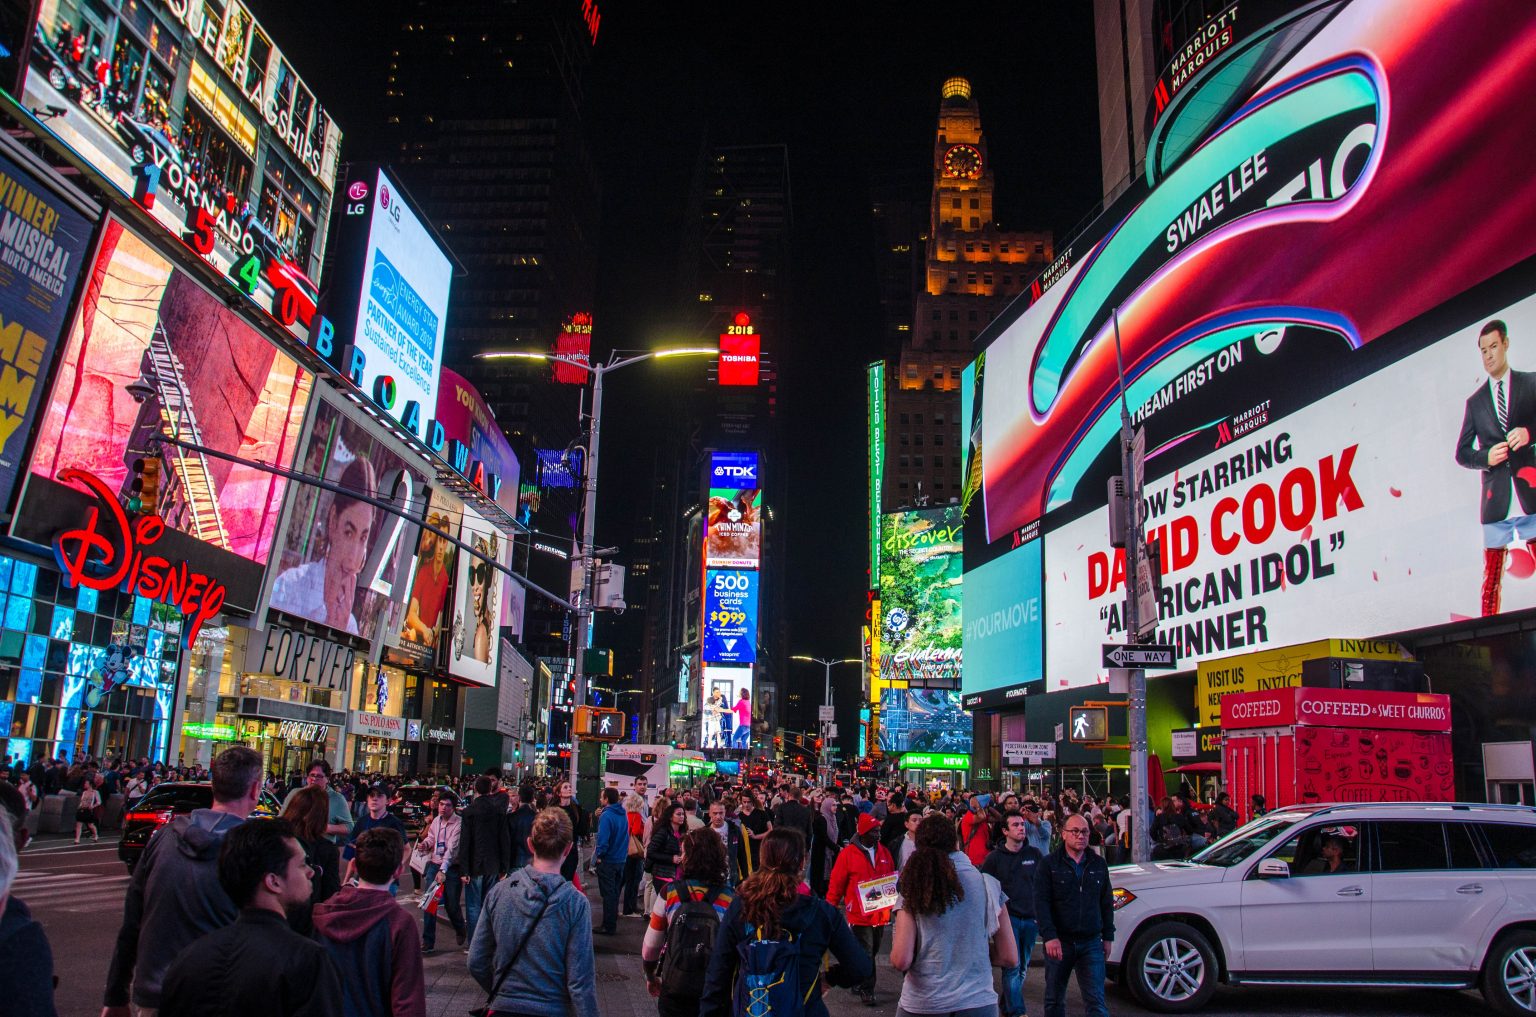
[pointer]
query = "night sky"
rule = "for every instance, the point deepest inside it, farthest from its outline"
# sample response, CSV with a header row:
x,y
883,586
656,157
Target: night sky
x,y
853,91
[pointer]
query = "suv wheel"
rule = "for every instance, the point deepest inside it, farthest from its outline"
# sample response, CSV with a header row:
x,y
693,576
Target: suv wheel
x,y
1509,974
1172,968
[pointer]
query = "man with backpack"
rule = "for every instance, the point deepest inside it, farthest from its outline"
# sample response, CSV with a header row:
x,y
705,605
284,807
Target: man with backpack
x,y
863,860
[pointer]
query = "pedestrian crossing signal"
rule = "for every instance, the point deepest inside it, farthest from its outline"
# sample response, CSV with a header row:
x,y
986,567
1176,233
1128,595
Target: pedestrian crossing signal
x,y
599,724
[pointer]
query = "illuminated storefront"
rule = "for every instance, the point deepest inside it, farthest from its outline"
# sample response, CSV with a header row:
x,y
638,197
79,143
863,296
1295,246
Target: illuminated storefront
x,y
377,721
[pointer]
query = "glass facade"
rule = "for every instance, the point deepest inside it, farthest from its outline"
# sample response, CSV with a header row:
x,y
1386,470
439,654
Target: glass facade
x,y
83,672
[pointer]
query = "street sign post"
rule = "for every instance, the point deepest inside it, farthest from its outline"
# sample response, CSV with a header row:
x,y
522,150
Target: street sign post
x,y
826,714
1156,657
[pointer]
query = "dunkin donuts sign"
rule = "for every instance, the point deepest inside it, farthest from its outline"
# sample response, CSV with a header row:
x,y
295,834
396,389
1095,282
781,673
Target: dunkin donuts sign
x,y
1292,707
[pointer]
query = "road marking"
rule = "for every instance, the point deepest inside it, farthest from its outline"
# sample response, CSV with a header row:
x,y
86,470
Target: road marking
x,y
35,849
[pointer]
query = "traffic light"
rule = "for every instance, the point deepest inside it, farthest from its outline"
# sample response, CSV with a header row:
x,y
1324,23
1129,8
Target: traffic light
x,y
144,488
135,503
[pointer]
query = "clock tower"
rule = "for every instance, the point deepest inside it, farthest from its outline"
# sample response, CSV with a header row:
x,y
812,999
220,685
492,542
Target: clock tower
x,y
962,175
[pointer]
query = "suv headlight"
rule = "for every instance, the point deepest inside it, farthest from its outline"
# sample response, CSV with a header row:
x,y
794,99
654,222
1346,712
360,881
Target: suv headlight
x,y
1122,897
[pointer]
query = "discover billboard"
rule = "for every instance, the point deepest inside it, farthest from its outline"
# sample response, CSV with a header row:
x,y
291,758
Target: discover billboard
x,y
920,576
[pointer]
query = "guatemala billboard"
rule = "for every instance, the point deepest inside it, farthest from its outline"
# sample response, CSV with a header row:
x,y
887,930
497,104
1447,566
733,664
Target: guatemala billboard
x,y
920,574
1334,439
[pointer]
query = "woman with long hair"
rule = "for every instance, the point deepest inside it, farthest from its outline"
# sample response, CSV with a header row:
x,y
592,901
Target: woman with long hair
x,y
665,851
952,917
701,878
770,914
308,810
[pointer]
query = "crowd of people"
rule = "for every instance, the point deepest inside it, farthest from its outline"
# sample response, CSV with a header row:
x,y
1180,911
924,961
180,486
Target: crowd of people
x,y
745,890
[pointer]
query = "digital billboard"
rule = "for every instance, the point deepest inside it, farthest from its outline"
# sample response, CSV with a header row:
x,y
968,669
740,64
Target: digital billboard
x,y
342,561
149,351
920,580
726,709
574,344
43,250
730,616
390,299
239,162
1318,428
923,720
735,532
477,601
473,443
418,622
1004,622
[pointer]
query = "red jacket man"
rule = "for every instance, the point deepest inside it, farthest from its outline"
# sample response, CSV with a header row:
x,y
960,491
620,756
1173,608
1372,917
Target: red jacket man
x,y
863,860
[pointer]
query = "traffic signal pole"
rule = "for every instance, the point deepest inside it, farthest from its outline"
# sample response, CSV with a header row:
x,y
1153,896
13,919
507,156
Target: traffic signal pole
x,y
1136,698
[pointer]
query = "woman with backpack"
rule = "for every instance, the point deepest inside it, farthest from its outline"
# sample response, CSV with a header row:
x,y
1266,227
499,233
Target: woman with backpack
x,y
773,939
951,929
681,935
665,851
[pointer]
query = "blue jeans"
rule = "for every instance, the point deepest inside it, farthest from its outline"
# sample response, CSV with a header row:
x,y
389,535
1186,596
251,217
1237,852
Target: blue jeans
x,y
1024,930
1086,957
475,892
610,880
451,891
634,868
742,738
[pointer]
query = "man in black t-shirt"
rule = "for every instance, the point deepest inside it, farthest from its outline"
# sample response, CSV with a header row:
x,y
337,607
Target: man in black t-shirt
x,y
794,814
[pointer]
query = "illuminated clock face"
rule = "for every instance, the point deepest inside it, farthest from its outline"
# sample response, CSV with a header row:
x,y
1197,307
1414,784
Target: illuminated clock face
x,y
964,162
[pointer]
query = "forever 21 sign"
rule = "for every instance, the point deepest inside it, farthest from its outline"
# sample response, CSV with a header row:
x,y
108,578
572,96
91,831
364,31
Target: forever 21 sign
x,y
296,657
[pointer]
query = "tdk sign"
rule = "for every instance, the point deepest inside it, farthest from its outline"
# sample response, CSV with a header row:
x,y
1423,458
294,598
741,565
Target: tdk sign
x,y
732,469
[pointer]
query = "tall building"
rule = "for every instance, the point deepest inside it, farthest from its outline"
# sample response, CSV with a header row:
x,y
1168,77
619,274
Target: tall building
x,y
971,270
1125,45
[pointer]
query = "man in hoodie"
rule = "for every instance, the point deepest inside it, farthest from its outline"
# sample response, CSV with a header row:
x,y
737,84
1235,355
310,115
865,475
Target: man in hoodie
x,y
612,854
258,965
174,897
533,954
485,846
372,939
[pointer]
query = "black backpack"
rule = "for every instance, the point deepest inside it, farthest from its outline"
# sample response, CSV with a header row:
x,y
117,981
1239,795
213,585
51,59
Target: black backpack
x,y
690,940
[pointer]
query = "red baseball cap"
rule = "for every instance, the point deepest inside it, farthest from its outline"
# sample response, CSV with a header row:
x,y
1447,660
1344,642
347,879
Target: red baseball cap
x,y
867,823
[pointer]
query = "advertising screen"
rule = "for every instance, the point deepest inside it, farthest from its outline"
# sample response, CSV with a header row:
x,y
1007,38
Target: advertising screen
x,y
151,350
342,562
1316,441
727,708
475,446
477,601
240,162
417,622
920,575
730,616
1004,622
43,245
392,283
923,720
735,532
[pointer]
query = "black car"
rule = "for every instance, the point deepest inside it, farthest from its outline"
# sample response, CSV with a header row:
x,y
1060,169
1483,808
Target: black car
x,y
165,802
410,804
56,69
143,139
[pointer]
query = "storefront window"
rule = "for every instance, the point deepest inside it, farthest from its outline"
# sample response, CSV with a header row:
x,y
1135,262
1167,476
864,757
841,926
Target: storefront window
x,y
213,158
127,67
256,66
288,208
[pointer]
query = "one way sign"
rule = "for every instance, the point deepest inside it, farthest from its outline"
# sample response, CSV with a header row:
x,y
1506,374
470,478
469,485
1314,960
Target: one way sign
x,y
1161,658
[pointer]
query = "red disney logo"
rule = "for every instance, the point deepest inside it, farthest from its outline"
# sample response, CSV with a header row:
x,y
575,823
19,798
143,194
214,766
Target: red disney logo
x,y
124,551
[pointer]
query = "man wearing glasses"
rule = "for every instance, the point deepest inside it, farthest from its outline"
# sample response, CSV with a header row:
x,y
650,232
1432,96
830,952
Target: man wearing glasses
x,y
1076,914
338,822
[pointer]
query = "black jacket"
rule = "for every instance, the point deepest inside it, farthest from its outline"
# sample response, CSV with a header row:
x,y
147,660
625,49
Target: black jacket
x,y
1480,431
1072,906
520,822
663,847
817,926
325,857
485,841
257,966
26,963
1015,870
1223,819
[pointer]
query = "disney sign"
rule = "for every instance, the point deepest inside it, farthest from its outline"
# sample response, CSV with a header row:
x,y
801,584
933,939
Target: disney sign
x,y
108,552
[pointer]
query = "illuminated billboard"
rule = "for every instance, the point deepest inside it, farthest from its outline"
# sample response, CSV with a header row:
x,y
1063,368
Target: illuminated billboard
x,y
923,720
473,443
920,578
390,299
239,164
730,616
477,601
735,531
1004,622
574,343
875,383
726,709
151,350
343,561
1322,444
419,621
43,245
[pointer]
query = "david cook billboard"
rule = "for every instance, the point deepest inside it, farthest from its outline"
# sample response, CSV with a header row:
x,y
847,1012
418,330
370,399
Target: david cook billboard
x,y
1283,474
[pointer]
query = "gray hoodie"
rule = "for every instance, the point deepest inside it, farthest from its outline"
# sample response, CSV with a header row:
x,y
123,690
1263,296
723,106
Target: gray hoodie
x,y
173,899
555,972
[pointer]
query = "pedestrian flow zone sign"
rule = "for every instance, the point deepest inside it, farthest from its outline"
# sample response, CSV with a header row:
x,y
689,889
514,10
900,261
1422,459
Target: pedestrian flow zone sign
x,y
1160,658
1017,752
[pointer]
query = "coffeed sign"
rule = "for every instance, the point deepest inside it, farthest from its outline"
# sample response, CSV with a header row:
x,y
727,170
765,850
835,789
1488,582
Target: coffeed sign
x,y
296,657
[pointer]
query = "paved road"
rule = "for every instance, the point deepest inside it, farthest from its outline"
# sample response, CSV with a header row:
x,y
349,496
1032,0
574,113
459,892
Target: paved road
x,y
77,894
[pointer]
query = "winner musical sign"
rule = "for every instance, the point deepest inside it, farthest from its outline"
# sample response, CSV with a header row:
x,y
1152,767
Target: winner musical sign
x,y
108,552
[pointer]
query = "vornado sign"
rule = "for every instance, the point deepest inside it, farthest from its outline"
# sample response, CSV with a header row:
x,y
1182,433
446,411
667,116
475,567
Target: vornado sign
x,y
297,657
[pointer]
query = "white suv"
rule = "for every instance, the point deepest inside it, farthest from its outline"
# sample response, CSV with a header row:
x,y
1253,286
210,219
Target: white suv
x,y
1427,896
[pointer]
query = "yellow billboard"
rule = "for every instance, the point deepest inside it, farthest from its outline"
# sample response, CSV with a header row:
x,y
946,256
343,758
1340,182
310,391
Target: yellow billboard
x,y
1277,669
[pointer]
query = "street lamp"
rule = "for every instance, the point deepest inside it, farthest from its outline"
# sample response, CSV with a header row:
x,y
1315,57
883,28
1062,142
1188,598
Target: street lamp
x,y
589,493
826,693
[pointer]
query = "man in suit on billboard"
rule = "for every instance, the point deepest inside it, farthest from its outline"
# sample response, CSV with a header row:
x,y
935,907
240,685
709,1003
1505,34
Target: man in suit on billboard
x,y
1496,439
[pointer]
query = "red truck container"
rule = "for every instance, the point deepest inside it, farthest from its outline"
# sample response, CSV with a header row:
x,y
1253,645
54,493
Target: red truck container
x,y
1304,745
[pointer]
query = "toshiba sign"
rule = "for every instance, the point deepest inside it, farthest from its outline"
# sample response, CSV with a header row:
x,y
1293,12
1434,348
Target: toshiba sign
x,y
1306,707
739,355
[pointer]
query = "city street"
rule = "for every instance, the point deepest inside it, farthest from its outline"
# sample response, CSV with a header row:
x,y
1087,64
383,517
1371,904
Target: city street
x,y
77,894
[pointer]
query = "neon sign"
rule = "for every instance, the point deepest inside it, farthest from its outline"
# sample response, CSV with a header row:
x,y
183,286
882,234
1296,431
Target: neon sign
x,y
117,555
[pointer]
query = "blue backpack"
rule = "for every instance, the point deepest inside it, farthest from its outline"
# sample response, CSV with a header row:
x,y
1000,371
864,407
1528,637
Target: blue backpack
x,y
768,983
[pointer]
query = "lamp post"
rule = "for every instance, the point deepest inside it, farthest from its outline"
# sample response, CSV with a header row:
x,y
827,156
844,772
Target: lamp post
x,y
826,696
589,496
